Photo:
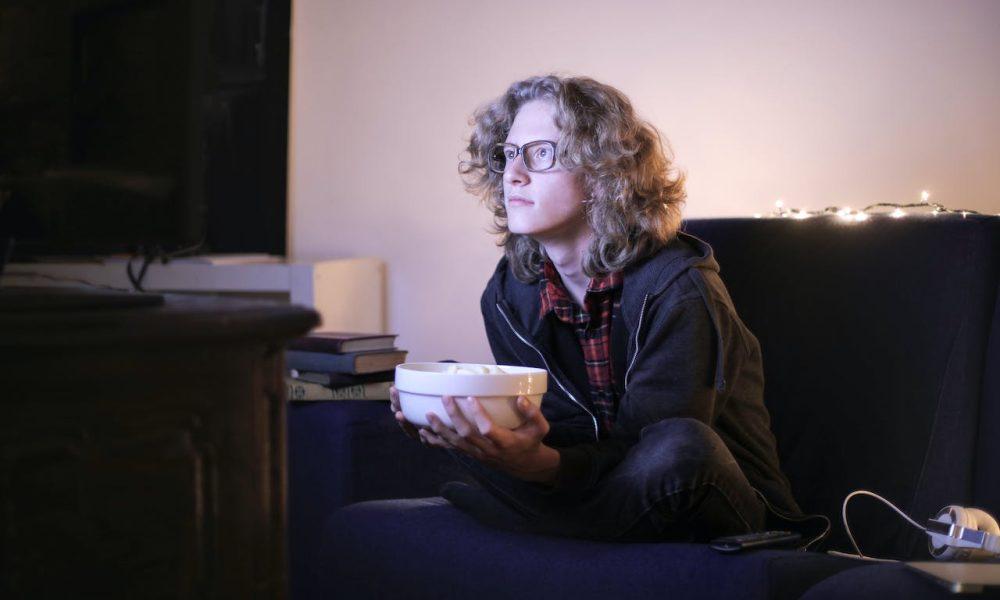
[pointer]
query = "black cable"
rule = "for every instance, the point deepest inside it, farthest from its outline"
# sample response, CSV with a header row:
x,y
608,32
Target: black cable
x,y
147,259
7,248
151,254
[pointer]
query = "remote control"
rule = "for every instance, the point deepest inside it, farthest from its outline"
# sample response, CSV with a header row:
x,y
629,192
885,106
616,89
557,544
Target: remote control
x,y
761,539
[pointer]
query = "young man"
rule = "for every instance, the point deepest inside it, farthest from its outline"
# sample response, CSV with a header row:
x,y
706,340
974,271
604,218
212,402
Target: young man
x,y
654,425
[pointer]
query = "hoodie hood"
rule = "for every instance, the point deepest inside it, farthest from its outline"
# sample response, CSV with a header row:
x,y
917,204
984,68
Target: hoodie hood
x,y
643,281
649,277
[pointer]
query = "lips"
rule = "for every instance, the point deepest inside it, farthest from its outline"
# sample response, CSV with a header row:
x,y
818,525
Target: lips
x,y
519,201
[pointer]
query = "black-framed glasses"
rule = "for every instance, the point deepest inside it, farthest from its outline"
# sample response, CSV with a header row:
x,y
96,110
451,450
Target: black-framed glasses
x,y
539,155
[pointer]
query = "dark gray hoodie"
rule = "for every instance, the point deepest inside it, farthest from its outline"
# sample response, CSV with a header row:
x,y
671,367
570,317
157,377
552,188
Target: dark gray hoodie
x,y
678,350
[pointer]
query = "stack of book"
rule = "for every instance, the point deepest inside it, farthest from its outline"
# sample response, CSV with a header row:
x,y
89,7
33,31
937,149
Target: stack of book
x,y
327,365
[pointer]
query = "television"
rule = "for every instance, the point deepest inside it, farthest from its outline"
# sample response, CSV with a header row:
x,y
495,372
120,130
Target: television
x,y
143,126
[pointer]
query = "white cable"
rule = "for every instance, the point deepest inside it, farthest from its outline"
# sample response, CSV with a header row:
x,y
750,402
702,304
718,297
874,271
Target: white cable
x,y
849,555
843,514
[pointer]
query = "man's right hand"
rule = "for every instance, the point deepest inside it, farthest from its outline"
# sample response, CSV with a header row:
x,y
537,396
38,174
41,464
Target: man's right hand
x,y
406,426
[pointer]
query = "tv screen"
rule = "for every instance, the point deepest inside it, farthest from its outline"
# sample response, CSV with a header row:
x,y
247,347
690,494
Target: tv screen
x,y
100,128
131,124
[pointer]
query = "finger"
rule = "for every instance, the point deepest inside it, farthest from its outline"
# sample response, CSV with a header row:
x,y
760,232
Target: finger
x,y
438,441
535,421
429,439
437,426
462,425
433,438
452,437
467,430
394,398
487,428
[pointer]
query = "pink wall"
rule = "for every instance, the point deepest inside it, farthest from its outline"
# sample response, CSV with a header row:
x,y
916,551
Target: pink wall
x,y
818,103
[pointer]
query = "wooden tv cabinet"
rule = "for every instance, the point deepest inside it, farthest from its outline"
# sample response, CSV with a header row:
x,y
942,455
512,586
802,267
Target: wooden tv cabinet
x,y
142,450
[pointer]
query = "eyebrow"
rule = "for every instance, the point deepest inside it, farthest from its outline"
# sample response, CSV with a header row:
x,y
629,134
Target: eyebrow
x,y
529,141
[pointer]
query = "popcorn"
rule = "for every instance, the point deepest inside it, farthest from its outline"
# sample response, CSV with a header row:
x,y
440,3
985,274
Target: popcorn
x,y
473,370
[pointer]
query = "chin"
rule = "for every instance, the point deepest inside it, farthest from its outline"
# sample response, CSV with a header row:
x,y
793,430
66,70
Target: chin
x,y
519,228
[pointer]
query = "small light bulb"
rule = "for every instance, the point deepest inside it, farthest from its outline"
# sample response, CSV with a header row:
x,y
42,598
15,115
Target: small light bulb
x,y
801,215
757,215
779,203
965,213
861,216
925,196
845,213
898,213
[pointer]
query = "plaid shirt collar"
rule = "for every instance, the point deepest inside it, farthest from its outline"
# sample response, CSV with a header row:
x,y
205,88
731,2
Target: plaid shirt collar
x,y
554,294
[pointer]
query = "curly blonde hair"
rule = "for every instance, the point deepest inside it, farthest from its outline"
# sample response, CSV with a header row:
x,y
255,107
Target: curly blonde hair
x,y
635,193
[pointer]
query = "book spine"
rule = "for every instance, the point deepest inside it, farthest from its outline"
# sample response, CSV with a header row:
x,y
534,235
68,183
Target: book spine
x,y
341,380
305,391
301,360
362,392
312,345
336,380
342,346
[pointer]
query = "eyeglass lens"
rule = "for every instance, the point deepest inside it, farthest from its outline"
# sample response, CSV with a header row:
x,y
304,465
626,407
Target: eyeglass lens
x,y
538,156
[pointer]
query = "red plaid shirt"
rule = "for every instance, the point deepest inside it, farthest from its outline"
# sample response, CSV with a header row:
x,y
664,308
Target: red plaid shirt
x,y
592,324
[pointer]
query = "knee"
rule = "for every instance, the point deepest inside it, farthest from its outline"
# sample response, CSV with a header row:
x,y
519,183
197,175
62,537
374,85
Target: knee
x,y
681,447
681,434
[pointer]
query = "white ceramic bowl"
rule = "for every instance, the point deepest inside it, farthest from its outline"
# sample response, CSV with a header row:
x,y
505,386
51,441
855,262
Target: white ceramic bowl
x,y
421,386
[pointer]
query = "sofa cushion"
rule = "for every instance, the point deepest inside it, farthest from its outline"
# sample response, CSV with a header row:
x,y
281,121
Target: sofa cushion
x,y
986,492
426,548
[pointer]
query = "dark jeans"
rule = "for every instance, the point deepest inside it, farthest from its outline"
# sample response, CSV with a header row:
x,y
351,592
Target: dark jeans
x,y
679,483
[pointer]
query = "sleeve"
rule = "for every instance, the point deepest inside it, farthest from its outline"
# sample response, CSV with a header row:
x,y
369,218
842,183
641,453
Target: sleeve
x,y
672,376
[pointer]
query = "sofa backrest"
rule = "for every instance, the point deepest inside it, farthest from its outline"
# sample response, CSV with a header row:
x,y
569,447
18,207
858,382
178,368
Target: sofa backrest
x,y
881,345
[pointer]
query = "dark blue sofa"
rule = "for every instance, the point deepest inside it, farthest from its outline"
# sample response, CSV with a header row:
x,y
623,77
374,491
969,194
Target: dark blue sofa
x,y
881,345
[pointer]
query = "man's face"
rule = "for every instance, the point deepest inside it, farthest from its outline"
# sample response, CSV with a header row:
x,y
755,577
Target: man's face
x,y
546,205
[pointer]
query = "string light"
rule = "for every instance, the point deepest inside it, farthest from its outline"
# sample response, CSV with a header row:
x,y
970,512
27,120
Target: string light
x,y
846,213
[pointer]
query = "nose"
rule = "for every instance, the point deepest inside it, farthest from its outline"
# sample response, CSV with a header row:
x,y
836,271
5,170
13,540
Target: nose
x,y
515,171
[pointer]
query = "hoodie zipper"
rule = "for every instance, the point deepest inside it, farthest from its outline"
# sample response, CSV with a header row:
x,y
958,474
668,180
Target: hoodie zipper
x,y
551,374
642,313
